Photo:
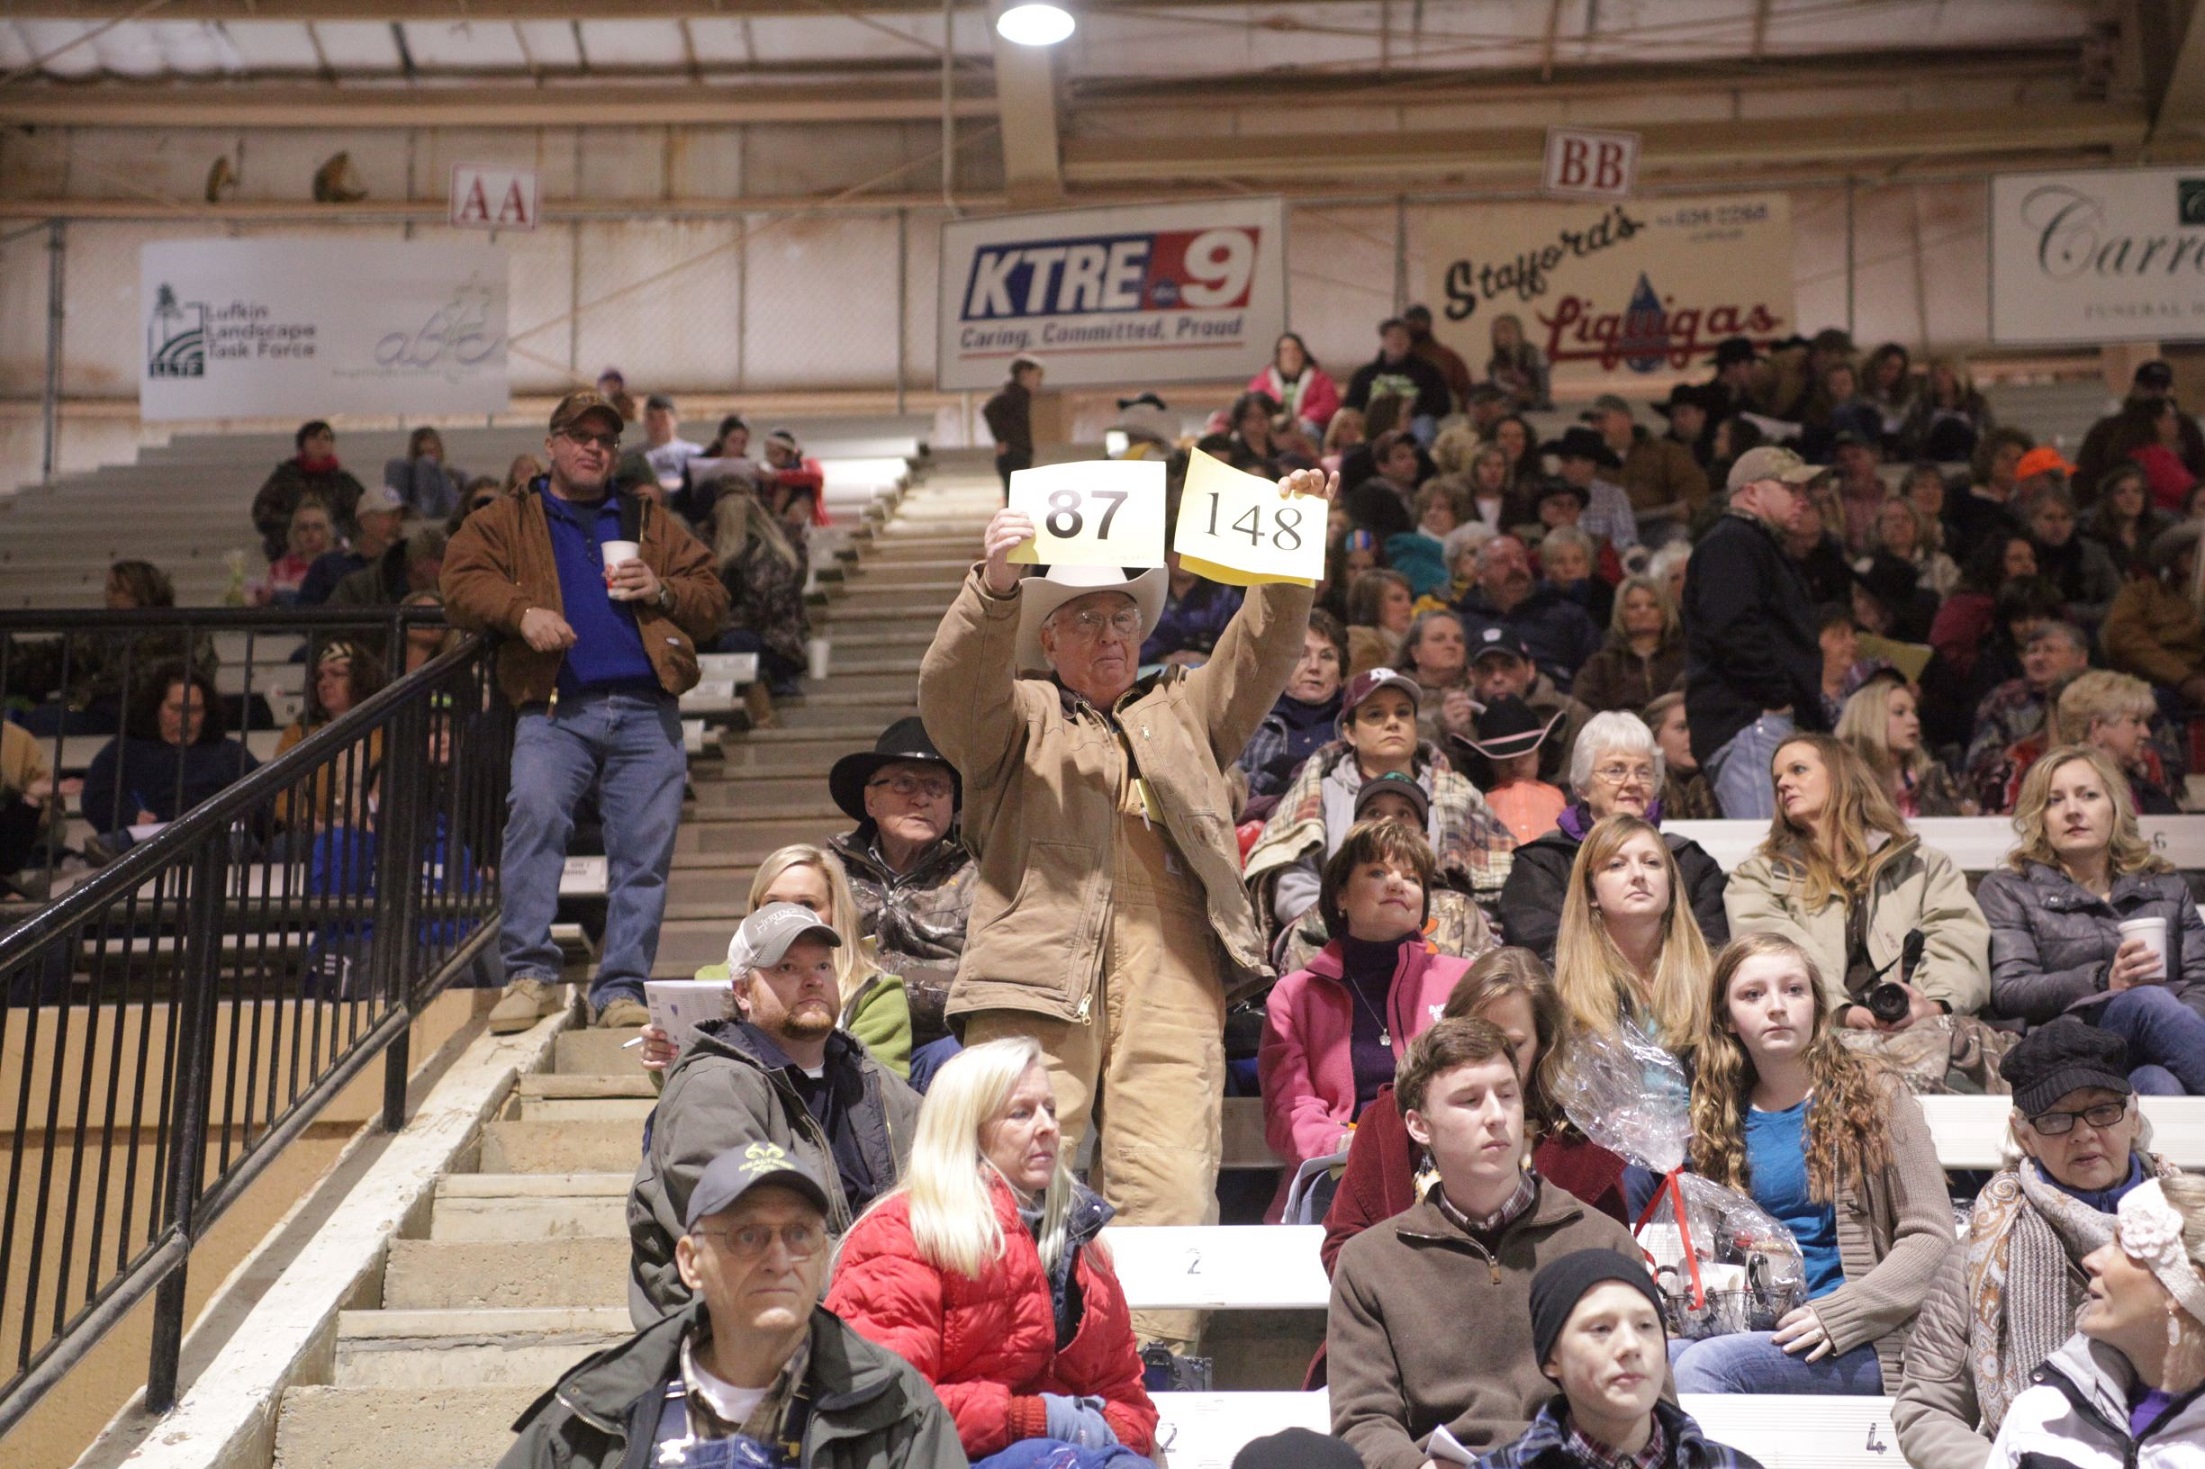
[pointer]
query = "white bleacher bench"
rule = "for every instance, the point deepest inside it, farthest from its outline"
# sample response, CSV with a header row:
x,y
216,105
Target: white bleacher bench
x,y
582,877
268,678
735,668
692,736
1971,1131
709,696
1976,844
1203,1430
1220,1267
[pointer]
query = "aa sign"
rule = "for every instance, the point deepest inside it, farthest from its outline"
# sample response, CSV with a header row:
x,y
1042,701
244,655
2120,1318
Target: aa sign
x,y
1101,513
1237,528
493,198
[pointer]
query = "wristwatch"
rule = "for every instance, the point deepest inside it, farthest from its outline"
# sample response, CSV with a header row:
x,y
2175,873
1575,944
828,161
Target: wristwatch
x,y
665,597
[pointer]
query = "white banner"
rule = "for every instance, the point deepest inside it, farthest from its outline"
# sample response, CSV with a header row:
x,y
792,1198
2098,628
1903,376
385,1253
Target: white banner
x,y
2108,255
1155,294
313,327
1608,291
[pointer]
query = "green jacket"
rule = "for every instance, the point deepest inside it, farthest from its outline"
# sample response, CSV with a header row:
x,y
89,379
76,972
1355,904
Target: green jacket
x,y
721,1095
870,1410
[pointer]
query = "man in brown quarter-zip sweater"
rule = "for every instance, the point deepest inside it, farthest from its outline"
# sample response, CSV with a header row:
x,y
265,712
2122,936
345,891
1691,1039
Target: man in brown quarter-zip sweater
x,y
1430,1322
1109,922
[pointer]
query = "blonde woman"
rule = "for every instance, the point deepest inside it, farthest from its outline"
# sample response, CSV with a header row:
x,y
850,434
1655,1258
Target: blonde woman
x,y
2112,713
1841,876
2139,1347
874,1008
1882,723
1629,947
1832,1146
982,1271
2080,870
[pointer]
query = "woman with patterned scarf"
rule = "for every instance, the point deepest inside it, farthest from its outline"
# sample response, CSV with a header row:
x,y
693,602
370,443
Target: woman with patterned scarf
x,y
2007,1298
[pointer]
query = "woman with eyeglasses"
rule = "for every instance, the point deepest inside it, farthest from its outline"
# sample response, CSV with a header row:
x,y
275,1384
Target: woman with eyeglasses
x,y
2007,1297
2088,921
981,1270
1616,768
2124,1391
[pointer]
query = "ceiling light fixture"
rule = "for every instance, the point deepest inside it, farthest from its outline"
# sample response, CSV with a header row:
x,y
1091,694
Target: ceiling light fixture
x,y
1034,23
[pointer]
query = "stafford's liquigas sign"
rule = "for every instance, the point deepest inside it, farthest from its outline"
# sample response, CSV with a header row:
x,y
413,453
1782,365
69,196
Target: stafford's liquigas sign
x,y
2107,255
1160,293
309,327
1640,286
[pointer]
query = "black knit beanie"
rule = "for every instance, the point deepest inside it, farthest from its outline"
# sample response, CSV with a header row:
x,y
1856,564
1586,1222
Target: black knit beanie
x,y
1561,1284
1297,1448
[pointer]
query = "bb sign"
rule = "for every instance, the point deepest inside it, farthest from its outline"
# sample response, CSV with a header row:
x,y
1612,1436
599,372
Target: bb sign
x,y
1585,164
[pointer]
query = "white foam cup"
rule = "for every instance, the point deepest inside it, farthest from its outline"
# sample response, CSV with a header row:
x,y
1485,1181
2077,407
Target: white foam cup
x,y
615,553
2152,931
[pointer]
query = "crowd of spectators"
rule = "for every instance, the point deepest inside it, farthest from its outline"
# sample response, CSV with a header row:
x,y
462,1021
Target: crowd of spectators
x,y
1387,854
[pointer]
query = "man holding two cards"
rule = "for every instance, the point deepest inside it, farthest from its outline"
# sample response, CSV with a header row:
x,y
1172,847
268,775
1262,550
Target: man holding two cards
x,y
1110,922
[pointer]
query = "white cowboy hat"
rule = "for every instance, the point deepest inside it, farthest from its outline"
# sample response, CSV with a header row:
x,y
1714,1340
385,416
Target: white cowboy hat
x,y
1038,596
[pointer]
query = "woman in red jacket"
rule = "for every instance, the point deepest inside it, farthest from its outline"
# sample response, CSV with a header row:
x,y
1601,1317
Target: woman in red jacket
x,y
1334,1032
981,1269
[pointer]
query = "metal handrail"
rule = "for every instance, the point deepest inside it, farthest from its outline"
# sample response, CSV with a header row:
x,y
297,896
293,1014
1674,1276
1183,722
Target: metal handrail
x,y
389,890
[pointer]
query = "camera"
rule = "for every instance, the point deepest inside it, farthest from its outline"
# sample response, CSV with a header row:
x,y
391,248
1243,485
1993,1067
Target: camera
x,y
1889,1002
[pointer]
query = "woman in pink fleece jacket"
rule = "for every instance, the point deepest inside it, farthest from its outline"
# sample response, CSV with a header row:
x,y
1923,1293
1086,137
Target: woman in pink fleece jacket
x,y
1336,1030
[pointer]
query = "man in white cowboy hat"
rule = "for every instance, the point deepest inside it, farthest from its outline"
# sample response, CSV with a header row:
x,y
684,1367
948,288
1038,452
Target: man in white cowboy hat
x,y
1110,922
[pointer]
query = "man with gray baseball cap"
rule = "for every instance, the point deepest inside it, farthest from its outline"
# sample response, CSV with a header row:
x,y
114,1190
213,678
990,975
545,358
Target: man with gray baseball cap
x,y
785,1077
1752,662
752,1371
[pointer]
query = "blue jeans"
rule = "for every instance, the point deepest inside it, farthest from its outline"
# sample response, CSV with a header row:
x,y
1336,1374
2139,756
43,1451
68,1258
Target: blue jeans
x,y
1739,771
2162,1033
1752,1362
631,743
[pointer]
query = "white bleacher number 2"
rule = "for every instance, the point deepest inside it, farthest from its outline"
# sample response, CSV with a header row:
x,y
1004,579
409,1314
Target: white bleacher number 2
x,y
1194,1262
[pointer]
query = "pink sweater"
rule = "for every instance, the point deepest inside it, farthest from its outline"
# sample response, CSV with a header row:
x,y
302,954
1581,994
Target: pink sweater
x,y
1308,1076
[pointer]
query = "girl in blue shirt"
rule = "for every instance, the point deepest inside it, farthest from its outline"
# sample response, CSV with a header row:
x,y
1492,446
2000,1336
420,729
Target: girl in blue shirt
x,y
1824,1139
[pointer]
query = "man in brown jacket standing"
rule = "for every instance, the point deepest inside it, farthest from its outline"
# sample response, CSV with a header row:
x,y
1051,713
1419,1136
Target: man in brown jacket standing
x,y
1110,922
597,650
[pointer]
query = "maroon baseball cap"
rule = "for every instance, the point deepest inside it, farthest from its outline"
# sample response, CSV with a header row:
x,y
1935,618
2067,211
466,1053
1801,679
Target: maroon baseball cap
x,y
1370,681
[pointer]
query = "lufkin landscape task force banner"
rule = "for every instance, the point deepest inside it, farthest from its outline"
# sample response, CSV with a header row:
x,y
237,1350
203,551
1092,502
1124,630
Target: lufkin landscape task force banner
x,y
1157,294
314,327
2107,255
1613,289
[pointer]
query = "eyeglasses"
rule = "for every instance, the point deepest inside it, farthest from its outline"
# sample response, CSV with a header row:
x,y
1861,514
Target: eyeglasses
x,y
2102,1116
1619,774
908,786
750,1242
1126,623
607,442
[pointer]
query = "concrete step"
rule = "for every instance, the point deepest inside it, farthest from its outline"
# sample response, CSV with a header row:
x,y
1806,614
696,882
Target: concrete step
x,y
744,755
557,1111
438,1275
471,1349
518,1207
869,681
698,889
687,944
711,784
716,798
746,840
398,1427
524,1146
875,635
844,735
594,1053
884,710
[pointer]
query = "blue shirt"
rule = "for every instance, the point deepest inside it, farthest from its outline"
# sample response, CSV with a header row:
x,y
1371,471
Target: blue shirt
x,y
1776,1160
608,646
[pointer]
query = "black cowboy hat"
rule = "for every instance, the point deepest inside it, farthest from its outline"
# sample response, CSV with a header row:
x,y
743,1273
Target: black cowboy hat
x,y
1697,395
906,739
1580,442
